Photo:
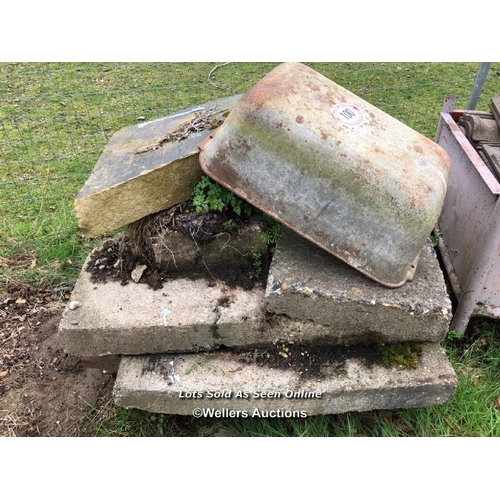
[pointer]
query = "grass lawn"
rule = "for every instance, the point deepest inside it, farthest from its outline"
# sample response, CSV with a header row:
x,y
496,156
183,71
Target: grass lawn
x,y
55,120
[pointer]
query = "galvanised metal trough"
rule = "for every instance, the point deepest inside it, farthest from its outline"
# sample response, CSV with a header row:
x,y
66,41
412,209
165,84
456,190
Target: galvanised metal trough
x,y
332,167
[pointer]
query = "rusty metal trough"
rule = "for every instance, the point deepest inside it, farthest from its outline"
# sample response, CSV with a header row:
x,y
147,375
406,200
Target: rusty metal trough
x,y
332,167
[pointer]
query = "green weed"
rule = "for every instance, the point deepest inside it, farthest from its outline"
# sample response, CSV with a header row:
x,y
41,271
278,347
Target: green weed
x,y
434,240
272,233
209,196
454,335
256,257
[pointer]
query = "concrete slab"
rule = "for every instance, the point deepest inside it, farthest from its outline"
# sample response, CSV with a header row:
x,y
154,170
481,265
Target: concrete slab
x,y
185,315
224,385
135,176
308,284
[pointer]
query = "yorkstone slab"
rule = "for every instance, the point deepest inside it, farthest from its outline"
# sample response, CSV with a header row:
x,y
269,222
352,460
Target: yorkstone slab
x,y
222,385
135,177
307,284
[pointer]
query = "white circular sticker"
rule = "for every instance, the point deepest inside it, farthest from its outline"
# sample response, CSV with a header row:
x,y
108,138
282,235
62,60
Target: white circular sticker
x,y
348,114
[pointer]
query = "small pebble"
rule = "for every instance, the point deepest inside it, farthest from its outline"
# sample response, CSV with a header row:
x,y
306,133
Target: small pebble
x,y
136,274
74,304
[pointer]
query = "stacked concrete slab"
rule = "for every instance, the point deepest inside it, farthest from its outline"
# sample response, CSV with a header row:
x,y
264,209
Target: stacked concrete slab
x,y
306,283
180,335
199,346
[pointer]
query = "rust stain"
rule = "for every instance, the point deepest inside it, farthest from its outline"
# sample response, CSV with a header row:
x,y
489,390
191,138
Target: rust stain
x,y
348,250
221,166
240,145
275,83
320,233
223,171
314,86
416,199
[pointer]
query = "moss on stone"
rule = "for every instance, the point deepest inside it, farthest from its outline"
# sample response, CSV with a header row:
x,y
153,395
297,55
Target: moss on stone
x,y
404,355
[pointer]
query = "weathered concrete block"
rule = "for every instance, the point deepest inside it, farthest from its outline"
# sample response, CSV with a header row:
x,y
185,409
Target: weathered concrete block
x,y
184,315
138,174
223,385
308,284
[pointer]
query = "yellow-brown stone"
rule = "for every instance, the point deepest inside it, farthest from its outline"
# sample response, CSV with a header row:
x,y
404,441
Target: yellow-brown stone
x,y
135,176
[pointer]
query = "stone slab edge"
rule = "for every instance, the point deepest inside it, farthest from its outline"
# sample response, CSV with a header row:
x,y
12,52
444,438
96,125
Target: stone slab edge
x,y
124,186
162,384
184,315
306,283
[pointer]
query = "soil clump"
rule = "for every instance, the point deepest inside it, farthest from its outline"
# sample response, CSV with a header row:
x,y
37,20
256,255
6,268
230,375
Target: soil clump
x,y
119,257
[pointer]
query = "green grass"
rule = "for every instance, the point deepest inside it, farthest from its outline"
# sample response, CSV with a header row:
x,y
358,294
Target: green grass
x,y
55,120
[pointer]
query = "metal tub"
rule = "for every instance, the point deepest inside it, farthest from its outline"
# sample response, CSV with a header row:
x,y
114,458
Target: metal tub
x,y
332,167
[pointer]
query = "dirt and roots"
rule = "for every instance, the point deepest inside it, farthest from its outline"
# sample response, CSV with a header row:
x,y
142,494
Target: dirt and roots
x,y
43,391
119,258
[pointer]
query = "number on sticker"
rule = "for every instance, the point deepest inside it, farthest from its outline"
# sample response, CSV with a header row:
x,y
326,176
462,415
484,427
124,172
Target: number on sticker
x,y
347,113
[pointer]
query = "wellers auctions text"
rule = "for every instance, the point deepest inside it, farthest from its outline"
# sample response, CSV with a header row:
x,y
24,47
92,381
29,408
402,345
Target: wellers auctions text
x,y
256,413
229,394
